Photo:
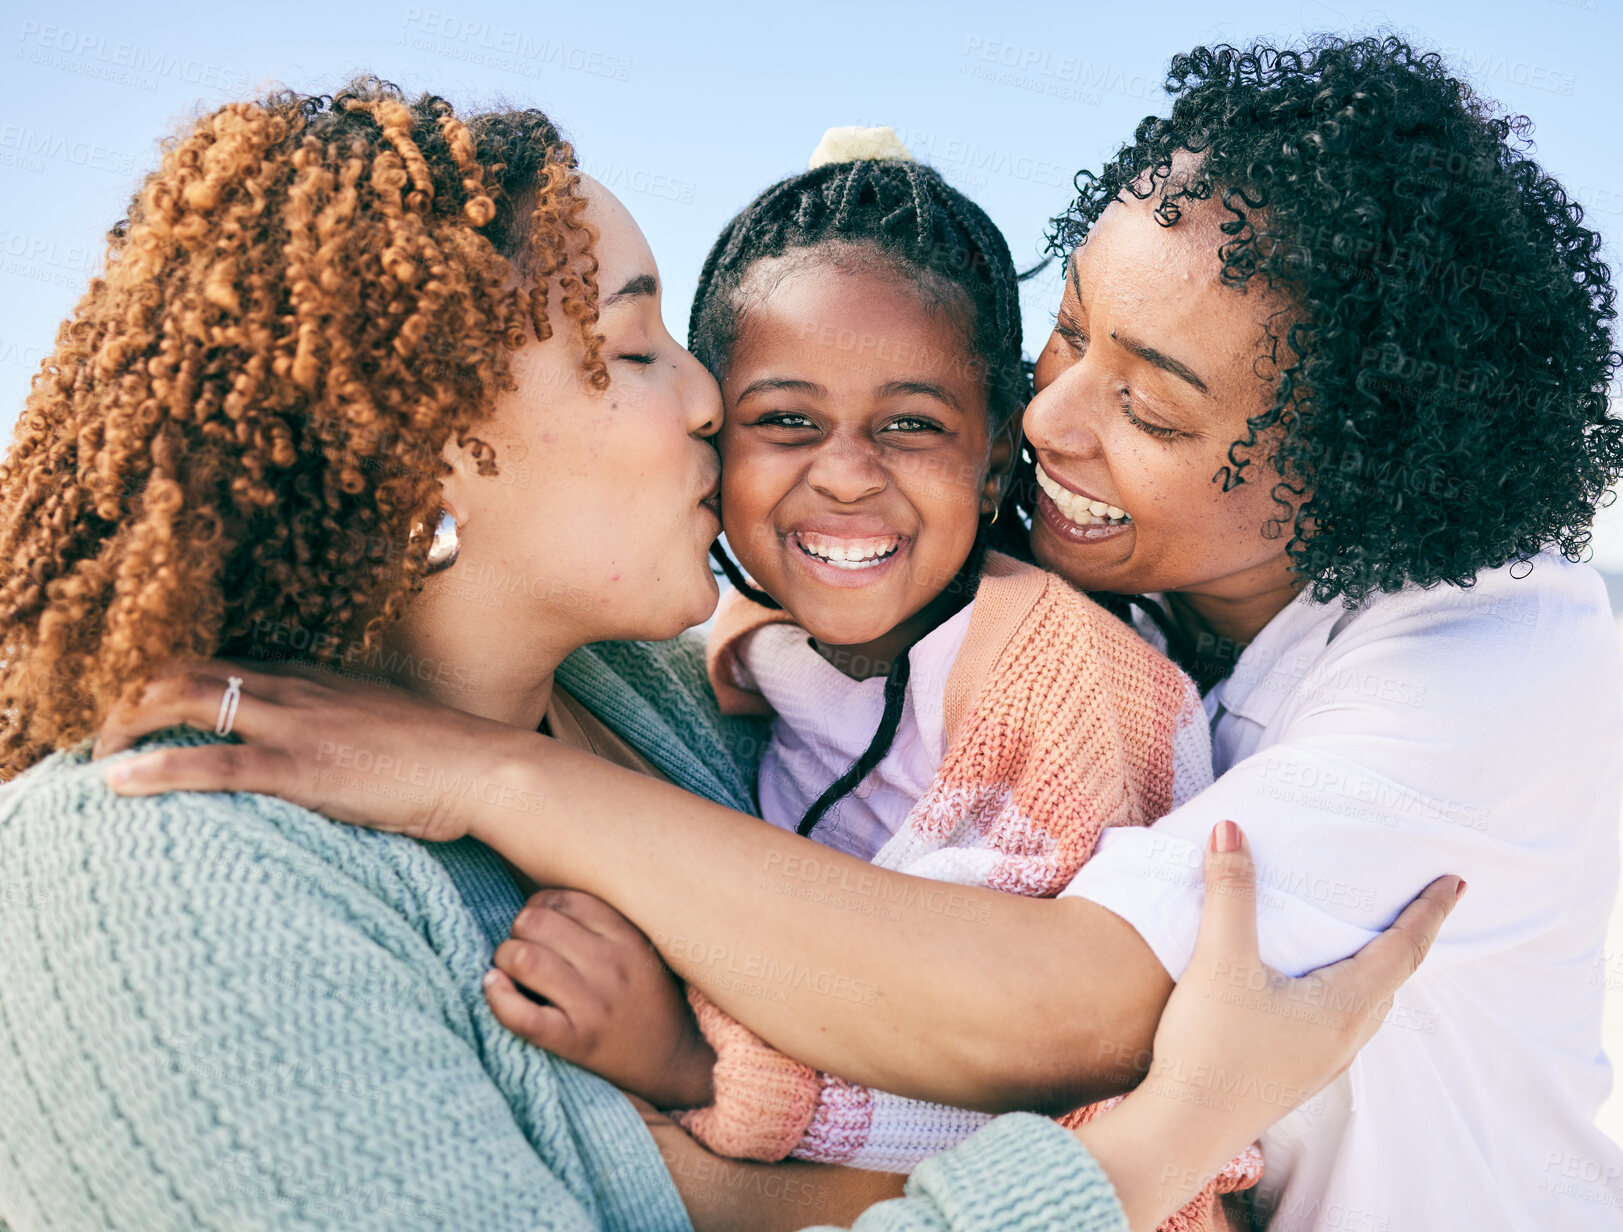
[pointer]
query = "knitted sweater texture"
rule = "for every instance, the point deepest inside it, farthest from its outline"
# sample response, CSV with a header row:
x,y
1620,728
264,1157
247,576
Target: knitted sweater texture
x,y
1060,721
226,1012
1020,1174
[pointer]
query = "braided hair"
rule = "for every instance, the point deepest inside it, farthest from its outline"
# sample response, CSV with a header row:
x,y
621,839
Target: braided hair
x,y
927,232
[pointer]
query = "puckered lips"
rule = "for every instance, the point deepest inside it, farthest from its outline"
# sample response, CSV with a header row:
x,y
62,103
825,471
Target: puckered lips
x,y
847,556
711,500
1075,515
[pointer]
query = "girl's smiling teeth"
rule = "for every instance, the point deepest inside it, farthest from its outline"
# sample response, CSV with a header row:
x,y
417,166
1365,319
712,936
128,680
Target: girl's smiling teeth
x,y
1078,508
847,553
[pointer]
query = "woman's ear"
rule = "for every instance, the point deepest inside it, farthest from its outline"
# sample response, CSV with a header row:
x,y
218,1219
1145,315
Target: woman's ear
x,y
456,488
1001,462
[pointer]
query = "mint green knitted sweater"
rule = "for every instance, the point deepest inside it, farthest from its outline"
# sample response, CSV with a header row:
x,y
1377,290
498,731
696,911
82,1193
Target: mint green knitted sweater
x,y
224,1011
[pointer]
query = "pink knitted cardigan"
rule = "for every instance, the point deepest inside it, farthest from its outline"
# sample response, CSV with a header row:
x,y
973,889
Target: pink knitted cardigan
x,y
1060,721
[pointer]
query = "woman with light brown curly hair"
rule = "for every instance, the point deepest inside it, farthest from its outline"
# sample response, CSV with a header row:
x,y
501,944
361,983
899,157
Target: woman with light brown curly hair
x,y
374,384
334,342
242,424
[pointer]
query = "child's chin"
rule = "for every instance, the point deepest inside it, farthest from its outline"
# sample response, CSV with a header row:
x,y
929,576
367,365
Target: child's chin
x,y
846,633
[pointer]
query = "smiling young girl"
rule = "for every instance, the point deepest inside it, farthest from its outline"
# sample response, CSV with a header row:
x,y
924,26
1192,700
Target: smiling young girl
x,y
863,321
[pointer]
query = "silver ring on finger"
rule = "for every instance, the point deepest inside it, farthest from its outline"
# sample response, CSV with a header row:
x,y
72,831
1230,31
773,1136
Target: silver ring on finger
x,y
228,706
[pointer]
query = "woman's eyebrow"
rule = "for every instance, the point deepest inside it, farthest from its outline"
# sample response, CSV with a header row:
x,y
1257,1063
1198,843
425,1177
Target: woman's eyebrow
x,y
1164,362
640,284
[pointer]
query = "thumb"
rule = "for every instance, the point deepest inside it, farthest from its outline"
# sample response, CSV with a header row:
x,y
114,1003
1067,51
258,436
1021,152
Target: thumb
x,y
1228,918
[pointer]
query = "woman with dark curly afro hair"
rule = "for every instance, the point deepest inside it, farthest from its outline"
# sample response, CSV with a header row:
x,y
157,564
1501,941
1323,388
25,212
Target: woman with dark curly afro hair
x,y
1325,414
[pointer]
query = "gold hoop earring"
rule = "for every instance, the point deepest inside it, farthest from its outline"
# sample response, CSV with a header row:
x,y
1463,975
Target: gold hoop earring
x,y
995,512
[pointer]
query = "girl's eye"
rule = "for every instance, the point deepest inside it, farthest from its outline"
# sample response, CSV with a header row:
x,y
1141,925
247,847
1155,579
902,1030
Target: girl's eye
x,y
645,358
1155,430
910,423
784,419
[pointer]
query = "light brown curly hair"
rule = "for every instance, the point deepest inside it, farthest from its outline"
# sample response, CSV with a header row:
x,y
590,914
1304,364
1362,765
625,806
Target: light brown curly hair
x,y
241,425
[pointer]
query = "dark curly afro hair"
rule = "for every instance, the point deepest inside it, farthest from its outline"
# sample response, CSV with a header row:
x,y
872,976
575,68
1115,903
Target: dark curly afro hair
x,y
1443,392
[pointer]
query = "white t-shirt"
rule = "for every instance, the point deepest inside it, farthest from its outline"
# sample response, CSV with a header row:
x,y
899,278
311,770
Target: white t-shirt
x,y
825,721
1471,731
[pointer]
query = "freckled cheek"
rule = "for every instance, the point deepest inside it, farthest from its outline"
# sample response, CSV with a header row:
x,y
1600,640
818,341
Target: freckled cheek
x,y
1250,515
1171,501
1144,484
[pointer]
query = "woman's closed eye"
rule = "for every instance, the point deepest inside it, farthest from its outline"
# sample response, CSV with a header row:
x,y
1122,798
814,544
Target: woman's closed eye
x,y
639,357
1156,430
1073,336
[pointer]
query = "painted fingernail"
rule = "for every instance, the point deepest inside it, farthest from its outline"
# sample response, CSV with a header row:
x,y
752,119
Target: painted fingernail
x,y
1460,893
1225,837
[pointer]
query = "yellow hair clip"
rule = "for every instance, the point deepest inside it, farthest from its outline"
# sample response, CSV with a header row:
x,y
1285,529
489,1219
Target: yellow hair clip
x,y
848,143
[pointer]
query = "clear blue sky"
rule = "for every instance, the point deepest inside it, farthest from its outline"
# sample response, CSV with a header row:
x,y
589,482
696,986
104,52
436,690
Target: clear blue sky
x,y
687,110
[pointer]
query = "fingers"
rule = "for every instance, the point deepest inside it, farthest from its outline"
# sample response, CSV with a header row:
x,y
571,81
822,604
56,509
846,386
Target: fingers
x,y
545,1026
211,767
1228,920
557,929
186,694
545,972
173,699
1383,965
590,912
273,677
1368,981
590,934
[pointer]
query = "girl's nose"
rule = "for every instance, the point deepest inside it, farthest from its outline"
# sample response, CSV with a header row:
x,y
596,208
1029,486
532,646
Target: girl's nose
x,y
846,472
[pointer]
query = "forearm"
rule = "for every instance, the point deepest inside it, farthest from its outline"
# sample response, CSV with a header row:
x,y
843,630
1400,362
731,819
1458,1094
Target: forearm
x,y
948,993
729,1195
764,1105
1158,1158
